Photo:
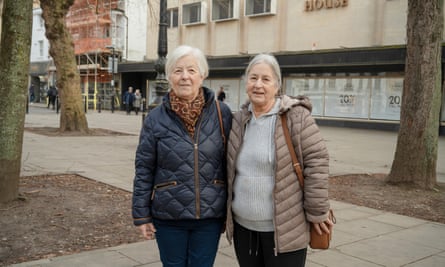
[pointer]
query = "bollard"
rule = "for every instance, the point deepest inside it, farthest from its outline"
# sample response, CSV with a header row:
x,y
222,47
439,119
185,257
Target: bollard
x,y
112,103
143,104
27,105
100,105
85,106
57,104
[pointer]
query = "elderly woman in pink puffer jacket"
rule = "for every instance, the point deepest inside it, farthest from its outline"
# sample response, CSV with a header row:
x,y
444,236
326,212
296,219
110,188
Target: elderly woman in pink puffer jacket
x,y
268,214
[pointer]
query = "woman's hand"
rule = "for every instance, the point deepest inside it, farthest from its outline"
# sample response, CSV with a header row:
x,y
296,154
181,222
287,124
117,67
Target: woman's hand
x,y
148,231
325,226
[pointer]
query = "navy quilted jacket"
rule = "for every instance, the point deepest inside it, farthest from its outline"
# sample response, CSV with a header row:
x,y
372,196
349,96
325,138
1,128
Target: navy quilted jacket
x,y
177,177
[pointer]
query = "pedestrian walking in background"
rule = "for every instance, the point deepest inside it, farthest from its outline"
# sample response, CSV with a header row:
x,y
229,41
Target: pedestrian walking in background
x,y
128,100
265,214
179,194
31,92
137,101
221,94
52,95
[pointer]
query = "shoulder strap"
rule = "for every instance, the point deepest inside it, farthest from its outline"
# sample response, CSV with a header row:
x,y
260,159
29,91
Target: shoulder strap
x,y
295,162
221,124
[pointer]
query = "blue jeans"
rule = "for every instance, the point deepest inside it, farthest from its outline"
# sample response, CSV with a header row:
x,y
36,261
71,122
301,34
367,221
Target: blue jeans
x,y
188,243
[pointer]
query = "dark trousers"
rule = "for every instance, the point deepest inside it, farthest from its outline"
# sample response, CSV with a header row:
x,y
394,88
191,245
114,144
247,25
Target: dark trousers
x,y
128,107
191,243
52,101
256,249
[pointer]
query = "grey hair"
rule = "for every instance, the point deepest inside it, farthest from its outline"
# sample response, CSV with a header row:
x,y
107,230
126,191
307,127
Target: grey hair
x,y
269,60
185,50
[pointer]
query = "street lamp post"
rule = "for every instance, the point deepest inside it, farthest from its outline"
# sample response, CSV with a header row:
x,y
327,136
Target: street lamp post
x,y
112,78
161,86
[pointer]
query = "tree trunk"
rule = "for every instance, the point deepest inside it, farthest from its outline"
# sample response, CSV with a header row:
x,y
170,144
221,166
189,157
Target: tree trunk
x,y
14,66
416,152
72,115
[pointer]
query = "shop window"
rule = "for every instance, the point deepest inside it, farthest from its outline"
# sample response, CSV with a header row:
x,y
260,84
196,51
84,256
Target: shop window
x,y
225,9
172,18
194,13
260,7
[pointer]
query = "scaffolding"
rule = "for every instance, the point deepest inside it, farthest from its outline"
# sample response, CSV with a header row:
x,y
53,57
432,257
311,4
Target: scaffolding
x,y
97,37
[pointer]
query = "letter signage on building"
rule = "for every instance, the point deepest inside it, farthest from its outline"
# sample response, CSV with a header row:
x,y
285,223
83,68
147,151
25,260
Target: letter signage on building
x,y
314,5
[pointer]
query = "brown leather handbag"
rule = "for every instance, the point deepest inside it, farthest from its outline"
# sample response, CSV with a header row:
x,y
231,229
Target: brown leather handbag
x,y
317,241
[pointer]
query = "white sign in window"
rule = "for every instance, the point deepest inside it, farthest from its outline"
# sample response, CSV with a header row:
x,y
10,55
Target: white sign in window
x,y
386,98
347,97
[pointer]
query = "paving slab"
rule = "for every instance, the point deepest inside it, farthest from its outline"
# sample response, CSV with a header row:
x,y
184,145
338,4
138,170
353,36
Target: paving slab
x,y
362,236
388,251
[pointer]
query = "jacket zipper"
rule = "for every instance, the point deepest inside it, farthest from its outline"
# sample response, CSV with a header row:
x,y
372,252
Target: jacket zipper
x,y
196,169
218,182
275,235
196,163
197,195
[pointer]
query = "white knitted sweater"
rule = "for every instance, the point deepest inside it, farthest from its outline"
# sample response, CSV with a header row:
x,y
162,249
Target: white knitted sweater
x,y
253,204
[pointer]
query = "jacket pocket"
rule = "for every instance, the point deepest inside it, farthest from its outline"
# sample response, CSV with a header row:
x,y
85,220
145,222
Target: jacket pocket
x,y
162,186
219,182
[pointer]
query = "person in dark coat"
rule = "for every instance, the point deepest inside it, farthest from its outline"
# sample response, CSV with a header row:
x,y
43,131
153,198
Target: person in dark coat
x,y
52,95
221,94
31,93
179,194
128,100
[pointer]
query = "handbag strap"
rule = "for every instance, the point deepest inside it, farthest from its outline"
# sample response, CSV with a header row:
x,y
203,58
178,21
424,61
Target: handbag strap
x,y
295,162
221,125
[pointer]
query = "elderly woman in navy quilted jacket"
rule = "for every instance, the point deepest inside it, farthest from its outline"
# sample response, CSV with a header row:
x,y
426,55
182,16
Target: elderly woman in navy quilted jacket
x,y
180,192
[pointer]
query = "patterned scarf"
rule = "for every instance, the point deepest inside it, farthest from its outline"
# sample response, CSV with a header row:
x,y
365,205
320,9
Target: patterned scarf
x,y
188,112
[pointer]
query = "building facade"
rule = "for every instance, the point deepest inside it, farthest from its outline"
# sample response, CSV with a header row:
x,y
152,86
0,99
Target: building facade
x,y
98,31
348,56
101,36
40,60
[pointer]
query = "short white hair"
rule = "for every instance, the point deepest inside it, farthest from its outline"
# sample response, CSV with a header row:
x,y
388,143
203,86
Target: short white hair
x,y
185,50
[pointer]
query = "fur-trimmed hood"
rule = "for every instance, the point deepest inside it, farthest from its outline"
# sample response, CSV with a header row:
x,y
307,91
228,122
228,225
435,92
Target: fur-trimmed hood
x,y
287,102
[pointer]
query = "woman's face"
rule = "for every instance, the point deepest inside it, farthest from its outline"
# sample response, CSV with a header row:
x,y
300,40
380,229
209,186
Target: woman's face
x,y
186,79
261,85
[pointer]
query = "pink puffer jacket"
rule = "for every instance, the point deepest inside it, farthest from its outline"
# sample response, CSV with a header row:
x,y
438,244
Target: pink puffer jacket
x,y
291,215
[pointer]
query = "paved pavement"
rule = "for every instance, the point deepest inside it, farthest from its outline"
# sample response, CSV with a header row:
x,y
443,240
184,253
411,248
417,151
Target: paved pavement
x,y
362,236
